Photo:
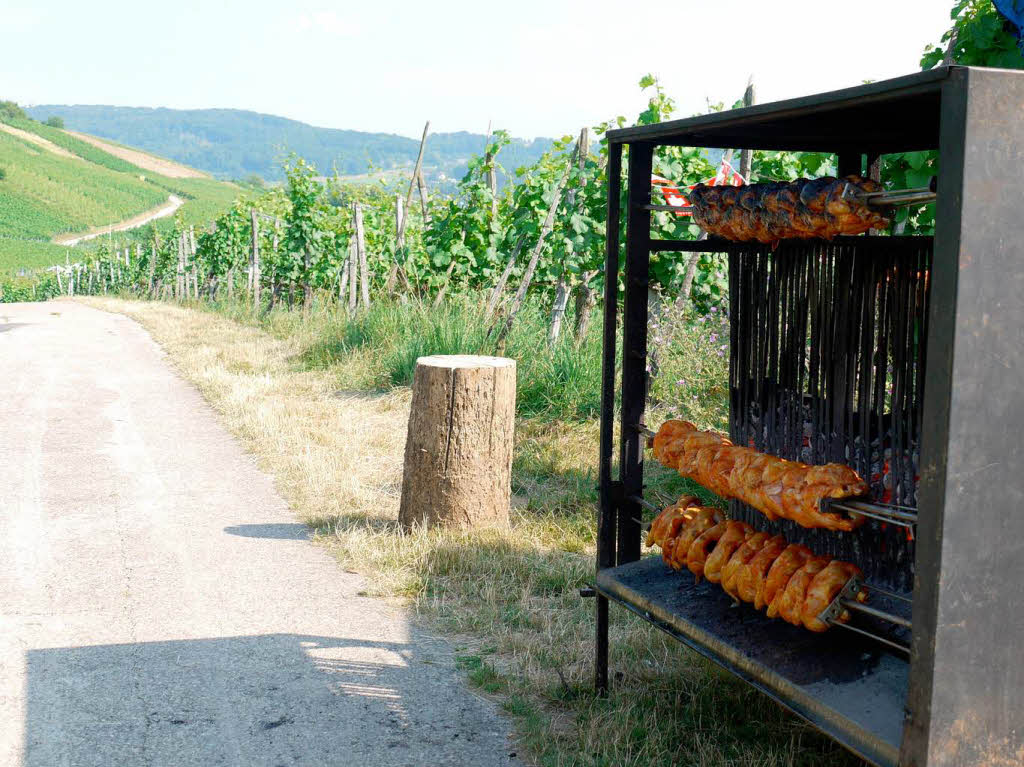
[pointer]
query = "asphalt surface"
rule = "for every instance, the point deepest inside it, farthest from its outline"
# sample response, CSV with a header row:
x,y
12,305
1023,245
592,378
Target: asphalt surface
x,y
160,605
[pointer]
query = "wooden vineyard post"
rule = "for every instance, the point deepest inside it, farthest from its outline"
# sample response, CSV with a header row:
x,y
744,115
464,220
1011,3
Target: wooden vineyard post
x,y
421,186
353,274
415,177
546,227
180,284
746,156
254,260
399,242
458,452
364,282
195,267
492,176
343,281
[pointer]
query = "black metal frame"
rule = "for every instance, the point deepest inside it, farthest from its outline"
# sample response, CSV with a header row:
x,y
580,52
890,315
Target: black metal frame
x,y
962,690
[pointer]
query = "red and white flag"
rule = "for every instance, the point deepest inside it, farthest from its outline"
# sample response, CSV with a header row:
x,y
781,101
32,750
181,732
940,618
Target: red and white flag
x,y
726,176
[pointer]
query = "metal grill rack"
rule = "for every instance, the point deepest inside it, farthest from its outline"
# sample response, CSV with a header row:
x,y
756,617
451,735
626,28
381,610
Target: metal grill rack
x,y
899,356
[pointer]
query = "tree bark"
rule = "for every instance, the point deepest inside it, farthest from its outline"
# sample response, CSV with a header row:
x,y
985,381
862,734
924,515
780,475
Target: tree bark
x,y
458,452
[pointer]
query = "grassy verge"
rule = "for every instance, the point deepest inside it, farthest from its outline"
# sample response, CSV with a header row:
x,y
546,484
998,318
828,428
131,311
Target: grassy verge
x,y
322,404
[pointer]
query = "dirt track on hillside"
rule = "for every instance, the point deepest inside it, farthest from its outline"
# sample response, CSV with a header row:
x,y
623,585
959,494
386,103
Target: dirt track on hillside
x,y
39,141
145,161
161,211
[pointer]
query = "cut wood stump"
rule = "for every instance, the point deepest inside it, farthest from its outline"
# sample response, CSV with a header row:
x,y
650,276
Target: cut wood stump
x,y
458,452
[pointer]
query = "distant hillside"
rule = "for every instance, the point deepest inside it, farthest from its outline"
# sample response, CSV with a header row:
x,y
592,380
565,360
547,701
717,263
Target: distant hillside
x,y
232,143
53,183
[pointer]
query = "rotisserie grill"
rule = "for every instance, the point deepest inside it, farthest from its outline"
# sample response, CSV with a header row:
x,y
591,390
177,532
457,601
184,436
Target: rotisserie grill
x,y
873,460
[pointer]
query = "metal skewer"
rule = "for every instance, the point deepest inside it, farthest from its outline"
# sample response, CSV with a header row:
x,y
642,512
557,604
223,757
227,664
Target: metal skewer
x,y
896,197
883,640
896,515
880,614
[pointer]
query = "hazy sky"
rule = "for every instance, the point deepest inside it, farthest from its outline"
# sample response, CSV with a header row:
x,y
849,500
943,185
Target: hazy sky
x,y
536,67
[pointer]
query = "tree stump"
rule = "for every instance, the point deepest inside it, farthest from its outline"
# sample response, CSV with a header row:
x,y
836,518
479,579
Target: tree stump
x,y
458,453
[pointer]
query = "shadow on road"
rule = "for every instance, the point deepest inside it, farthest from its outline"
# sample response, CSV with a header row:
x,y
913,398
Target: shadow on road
x,y
278,699
288,531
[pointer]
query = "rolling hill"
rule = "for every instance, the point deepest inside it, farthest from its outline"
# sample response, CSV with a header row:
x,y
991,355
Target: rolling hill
x,y
232,143
53,183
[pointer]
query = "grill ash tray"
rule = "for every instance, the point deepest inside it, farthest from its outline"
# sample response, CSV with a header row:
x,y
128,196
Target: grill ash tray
x,y
850,687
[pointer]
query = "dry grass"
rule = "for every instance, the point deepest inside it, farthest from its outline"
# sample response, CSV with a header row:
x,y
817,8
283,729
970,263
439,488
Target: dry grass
x,y
507,597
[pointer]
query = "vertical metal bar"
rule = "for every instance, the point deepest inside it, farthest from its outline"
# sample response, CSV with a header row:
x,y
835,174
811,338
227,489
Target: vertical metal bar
x,y
607,500
634,349
606,521
850,164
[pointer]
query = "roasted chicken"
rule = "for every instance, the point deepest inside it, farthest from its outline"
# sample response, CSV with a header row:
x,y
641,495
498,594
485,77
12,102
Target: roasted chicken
x,y
774,486
805,208
788,580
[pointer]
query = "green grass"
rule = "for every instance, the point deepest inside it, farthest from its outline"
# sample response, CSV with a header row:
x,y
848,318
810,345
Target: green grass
x,y
22,257
559,382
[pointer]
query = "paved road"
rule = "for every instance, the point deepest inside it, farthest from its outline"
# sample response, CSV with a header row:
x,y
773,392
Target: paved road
x,y
159,605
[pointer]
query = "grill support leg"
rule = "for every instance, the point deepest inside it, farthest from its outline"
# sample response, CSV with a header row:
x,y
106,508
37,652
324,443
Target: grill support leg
x,y
634,350
601,655
608,496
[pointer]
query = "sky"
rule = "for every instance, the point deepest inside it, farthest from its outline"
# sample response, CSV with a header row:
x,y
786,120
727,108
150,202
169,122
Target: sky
x,y
533,67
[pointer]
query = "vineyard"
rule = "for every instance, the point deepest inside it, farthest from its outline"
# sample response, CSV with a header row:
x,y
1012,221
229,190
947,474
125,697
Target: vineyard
x,y
319,240
324,240
44,193
53,183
